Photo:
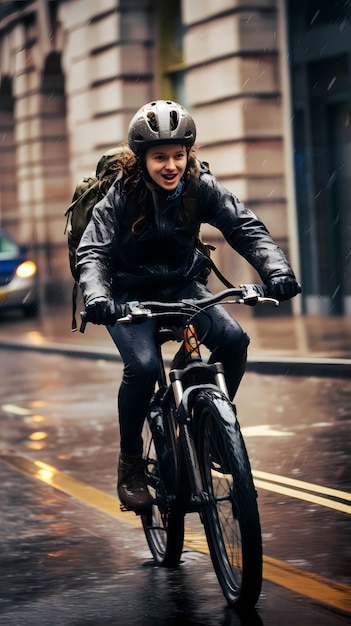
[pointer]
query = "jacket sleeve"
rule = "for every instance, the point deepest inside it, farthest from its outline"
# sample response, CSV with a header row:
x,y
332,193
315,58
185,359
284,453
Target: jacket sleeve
x,y
243,230
97,248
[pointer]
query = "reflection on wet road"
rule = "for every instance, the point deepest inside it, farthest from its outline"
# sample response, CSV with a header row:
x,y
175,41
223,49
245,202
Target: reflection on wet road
x,y
58,419
275,571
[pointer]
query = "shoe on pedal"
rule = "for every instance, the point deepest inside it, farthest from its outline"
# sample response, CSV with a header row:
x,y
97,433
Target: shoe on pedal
x,y
131,484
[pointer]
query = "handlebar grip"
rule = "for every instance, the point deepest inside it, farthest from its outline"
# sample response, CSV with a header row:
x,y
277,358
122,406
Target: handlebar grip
x,y
84,321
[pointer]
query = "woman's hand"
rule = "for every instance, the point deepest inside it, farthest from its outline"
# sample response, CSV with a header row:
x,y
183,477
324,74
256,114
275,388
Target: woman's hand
x,y
102,311
282,287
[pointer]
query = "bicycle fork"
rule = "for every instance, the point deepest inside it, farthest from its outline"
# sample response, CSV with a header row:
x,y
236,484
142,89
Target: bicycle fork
x,y
184,400
192,347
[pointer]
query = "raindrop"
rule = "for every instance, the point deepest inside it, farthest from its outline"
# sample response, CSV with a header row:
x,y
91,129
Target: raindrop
x,y
315,17
331,180
336,292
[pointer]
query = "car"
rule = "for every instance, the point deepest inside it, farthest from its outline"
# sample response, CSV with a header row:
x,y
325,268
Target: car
x,y
19,287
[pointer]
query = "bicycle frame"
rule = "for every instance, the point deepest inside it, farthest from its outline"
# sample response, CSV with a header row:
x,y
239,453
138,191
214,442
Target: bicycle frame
x,y
184,399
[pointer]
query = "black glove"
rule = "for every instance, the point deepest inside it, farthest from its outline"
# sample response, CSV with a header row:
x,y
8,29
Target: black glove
x,y
282,287
102,311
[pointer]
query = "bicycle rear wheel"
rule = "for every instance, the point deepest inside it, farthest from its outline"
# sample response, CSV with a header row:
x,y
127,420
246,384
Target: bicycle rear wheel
x,y
231,518
163,523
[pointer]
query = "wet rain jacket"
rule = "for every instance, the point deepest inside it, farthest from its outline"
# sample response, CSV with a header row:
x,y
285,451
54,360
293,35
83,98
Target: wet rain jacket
x,y
115,263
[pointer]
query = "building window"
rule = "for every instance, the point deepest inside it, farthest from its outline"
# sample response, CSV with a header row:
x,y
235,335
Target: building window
x,y
170,52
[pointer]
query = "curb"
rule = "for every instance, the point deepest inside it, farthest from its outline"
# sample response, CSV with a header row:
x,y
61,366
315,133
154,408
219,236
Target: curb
x,y
283,366
301,366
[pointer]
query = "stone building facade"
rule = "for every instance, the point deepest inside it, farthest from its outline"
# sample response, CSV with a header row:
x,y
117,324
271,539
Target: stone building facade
x,y
73,72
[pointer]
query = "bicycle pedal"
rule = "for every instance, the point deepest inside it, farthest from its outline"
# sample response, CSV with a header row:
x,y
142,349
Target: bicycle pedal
x,y
124,508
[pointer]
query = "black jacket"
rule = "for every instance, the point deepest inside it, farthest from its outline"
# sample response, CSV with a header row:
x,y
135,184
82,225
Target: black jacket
x,y
114,262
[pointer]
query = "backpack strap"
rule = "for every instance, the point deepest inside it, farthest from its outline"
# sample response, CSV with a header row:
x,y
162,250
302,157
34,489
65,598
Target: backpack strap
x,y
191,221
74,326
205,248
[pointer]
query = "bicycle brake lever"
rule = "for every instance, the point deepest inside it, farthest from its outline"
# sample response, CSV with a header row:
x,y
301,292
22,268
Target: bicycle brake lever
x,y
266,300
251,296
255,294
135,313
127,319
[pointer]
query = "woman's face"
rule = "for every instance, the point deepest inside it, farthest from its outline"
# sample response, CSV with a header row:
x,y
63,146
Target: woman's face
x,y
166,164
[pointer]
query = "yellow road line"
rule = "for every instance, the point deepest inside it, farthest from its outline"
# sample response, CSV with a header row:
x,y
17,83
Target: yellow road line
x,y
277,484
301,484
302,495
278,572
307,584
73,487
289,577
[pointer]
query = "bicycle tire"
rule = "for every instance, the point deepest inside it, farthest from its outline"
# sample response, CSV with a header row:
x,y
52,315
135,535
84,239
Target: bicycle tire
x,y
231,517
163,523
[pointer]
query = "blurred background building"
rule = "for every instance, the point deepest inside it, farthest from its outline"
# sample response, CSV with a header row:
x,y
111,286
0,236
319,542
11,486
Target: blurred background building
x,y
268,83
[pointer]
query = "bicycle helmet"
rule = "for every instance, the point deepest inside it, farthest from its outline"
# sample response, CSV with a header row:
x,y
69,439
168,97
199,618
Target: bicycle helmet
x,y
160,122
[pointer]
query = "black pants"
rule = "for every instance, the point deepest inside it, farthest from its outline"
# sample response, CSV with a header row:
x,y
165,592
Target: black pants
x,y
136,343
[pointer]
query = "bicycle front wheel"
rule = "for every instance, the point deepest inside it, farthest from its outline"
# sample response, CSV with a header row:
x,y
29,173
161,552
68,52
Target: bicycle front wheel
x,y
163,523
230,518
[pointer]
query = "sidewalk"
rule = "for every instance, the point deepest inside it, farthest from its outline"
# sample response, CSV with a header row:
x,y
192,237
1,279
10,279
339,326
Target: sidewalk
x,y
290,345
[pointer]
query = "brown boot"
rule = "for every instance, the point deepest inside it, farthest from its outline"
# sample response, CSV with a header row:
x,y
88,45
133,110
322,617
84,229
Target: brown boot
x,y
131,486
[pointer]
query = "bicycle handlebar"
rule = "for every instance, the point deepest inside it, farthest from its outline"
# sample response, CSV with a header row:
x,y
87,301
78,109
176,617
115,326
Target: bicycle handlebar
x,y
245,294
135,311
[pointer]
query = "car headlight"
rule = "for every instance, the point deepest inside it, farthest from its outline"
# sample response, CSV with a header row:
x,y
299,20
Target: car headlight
x,y
26,269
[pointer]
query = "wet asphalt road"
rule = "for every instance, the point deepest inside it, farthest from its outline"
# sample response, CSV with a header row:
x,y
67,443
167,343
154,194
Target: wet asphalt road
x,y
64,562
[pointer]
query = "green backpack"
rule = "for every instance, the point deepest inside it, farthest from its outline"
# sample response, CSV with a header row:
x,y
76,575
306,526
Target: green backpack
x,y
88,192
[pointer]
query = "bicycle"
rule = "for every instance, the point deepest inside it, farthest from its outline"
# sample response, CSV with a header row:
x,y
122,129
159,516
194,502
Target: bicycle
x,y
196,455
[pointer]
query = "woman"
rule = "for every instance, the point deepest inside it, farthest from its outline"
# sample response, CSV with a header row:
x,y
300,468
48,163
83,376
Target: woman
x,y
140,245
